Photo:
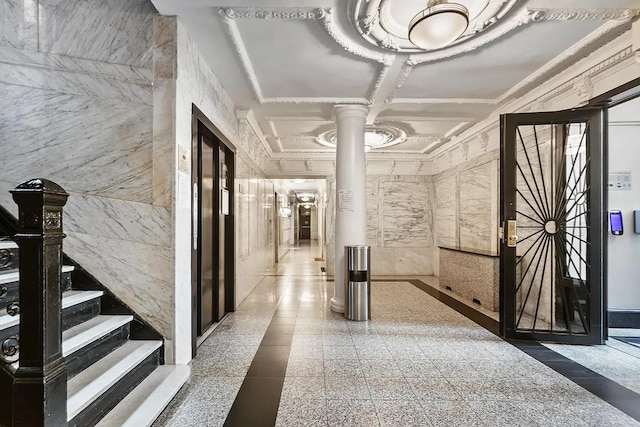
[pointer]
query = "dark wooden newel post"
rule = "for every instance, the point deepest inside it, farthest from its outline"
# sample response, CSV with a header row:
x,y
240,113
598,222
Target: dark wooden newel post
x,y
40,386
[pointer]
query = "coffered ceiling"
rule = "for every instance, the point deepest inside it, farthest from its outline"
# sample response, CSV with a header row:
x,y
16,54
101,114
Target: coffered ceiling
x,y
291,61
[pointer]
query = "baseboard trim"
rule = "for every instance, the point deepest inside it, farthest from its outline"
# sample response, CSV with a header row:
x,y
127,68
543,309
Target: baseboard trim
x,y
624,319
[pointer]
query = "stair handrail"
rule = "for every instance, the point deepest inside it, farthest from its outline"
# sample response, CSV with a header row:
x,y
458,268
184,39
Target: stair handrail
x,y
39,389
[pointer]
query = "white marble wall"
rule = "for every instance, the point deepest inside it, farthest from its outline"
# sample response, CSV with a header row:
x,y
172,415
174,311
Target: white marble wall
x,y
195,84
254,226
77,108
399,224
467,205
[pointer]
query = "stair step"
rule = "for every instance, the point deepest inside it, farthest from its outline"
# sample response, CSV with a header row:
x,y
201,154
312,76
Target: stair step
x,y
79,336
10,276
8,244
88,385
69,299
145,403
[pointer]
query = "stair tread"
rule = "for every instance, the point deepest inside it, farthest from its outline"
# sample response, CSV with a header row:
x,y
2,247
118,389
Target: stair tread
x,y
69,299
13,275
8,244
146,402
77,337
95,380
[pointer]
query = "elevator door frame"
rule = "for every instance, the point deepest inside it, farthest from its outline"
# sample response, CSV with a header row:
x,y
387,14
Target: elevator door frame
x,y
202,125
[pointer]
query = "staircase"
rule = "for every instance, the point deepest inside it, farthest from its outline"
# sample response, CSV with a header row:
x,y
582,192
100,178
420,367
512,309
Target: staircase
x,y
114,362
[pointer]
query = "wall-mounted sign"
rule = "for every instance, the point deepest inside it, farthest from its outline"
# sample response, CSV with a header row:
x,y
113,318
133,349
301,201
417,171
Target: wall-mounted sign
x,y
183,159
345,200
224,201
620,181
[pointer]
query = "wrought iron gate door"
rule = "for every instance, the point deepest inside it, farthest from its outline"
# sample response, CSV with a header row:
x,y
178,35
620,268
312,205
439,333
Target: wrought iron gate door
x,y
552,214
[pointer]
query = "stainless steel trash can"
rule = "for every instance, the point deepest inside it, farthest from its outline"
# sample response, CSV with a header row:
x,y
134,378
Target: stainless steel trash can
x,y
357,282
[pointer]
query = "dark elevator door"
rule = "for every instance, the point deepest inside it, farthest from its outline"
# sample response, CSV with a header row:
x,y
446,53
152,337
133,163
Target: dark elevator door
x,y
206,217
212,185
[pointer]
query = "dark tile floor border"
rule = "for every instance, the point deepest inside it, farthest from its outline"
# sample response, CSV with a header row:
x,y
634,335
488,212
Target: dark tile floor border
x,y
258,399
606,389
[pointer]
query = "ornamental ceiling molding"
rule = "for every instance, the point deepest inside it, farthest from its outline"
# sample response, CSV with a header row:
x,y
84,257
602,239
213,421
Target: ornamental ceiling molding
x,y
374,20
228,18
385,136
600,34
352,47
617,17
525,17
230,15
247,116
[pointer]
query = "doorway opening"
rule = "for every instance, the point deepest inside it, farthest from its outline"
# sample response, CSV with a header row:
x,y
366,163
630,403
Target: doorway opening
x,y
562,174
213,250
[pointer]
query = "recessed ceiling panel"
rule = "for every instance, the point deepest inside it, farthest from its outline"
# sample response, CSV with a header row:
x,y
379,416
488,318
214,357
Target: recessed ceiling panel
x,y
302,143
297,58
436,110
301,127
431,127
494,69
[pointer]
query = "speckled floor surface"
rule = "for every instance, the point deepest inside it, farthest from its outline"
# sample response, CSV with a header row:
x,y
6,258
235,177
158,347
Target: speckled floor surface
x,y
416,363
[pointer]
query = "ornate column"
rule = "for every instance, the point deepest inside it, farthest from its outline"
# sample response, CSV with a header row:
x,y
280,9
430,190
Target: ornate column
x,y
40,384
351,207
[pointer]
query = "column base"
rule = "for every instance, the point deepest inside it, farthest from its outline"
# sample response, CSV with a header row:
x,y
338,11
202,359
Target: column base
x,y
337,306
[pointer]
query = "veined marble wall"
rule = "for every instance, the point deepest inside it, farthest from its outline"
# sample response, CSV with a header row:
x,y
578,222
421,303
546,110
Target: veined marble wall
x,y
77,108
195,84
467,205
399,224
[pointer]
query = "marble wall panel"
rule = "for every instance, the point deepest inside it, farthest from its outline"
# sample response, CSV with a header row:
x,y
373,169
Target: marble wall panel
x,y
447,210
138,273
117,31
399,217
124,220
407,216
476,208
59,82
11,23
87,145
373,212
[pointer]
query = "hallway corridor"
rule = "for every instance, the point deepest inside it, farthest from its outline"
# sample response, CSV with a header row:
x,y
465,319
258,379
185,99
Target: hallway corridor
x,y
283,358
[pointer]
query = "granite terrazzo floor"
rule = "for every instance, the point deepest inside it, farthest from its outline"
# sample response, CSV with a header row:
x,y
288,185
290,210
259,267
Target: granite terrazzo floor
x,y
417,363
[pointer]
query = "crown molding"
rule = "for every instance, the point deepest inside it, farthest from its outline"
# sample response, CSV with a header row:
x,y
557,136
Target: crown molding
x,y
600,34
595,14
228,18
592,67
248,116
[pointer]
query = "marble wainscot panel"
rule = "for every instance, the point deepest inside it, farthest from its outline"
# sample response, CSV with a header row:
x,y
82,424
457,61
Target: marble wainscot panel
x,y
477,206
407,215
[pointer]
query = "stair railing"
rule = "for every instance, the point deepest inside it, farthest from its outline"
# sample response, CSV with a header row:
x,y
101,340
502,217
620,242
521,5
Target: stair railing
x,y
39,387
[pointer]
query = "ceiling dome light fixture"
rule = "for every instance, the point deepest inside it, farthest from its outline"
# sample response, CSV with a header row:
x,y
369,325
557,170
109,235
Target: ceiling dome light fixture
x,y
440,24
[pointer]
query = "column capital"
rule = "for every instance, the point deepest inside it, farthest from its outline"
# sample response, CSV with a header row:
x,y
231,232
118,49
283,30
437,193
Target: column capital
x,y
351,110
